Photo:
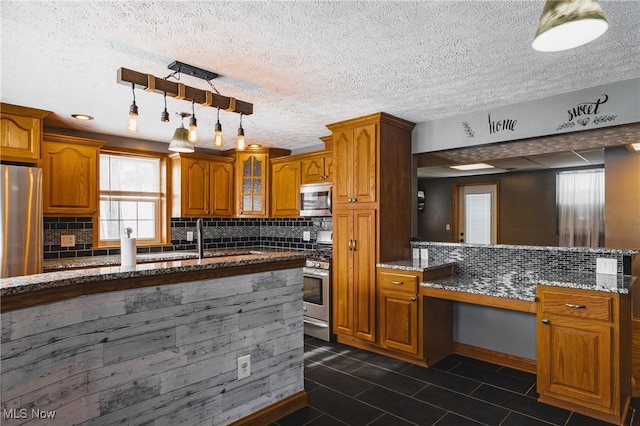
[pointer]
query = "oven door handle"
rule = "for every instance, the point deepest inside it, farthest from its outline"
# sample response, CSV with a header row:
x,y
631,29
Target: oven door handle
x,y
316,323
313,273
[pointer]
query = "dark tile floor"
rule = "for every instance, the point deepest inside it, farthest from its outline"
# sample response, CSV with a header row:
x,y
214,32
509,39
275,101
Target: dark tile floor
x,y
348,386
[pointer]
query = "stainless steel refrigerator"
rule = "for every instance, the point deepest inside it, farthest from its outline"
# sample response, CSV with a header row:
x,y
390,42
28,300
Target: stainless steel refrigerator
x,y
21,220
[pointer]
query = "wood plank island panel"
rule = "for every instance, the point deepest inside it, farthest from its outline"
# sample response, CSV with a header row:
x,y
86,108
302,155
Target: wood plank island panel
x,y
164,352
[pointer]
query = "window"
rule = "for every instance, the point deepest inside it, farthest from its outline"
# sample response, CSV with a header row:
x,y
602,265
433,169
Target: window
x,y
580,201
132,194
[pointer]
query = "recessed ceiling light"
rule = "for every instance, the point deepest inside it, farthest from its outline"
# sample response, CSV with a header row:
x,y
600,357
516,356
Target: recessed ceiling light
x,y
84,117
634,147
476,166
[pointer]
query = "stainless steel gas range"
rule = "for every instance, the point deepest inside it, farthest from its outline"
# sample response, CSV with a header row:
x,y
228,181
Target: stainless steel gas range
x,y
317,289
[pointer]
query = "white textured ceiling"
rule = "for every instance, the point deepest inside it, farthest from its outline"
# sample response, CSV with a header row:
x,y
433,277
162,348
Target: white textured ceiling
x,y
302,64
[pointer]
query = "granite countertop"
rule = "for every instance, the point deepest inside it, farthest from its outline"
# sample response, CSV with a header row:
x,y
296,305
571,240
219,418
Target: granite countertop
x,y
51,265
519,288
415,265
48,280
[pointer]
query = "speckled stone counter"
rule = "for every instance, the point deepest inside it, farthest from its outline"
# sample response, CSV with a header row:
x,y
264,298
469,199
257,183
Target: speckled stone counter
x,y
95,276
414,265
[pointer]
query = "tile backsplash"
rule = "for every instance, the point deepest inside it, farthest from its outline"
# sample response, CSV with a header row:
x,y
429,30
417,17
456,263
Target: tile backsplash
x,y
218,233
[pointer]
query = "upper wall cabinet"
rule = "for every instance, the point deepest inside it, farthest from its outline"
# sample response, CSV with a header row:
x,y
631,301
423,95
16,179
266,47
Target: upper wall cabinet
x,y
355,177
21,133
201,185
285,187
70,170
317,168
252,180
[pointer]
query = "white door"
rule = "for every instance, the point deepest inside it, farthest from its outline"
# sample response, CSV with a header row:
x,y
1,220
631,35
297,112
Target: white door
x,y
477,214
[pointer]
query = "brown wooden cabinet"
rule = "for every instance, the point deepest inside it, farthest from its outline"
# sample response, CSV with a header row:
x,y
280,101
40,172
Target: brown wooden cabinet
x,y
20,133
354,151
70,167
398,308
202,185
354,249
285,187
317,168
252,183
372,158
584,351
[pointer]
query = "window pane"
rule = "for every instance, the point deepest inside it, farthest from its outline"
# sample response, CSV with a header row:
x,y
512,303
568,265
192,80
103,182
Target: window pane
x,y
257,203
146,211
257,168
246,186
246,203
478,218
246,167
128,210
145,229
120,173
257,186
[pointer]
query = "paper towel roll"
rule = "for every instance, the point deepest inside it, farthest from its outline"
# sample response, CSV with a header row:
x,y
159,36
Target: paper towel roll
x,y
127,251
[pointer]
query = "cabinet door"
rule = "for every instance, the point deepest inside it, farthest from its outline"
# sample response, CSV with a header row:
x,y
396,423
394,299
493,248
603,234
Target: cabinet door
x,y
574,360
328,168
20,137
252,185
285,189
342,264
364,279
195,187
70,184
398,320
364,164
313,170
343,161
221,183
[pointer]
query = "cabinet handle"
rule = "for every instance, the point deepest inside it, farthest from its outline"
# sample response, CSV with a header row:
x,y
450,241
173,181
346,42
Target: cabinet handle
x,y
350,245
545,321
355,245
397,282
413,299
572,306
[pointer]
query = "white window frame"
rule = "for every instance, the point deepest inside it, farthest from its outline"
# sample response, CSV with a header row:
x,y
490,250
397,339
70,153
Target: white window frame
x,y
161,229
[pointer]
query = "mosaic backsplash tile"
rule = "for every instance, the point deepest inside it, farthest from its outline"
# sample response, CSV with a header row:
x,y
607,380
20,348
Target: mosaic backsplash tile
x,y
219,233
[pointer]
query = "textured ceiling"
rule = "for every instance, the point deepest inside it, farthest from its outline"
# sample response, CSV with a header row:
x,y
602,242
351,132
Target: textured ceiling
x,y
302,64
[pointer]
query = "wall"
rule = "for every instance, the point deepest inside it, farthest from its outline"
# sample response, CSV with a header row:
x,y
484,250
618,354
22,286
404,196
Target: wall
x,y
527,207
219,233
163,355
622,198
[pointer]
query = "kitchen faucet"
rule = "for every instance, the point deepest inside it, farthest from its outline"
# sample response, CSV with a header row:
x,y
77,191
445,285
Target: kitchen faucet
x,y
200,239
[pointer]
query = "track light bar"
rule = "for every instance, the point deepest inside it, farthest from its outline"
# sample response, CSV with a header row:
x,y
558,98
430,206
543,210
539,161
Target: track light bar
x,y
177,90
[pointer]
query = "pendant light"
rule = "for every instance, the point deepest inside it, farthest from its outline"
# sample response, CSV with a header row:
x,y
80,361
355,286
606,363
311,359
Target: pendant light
x,y
164,117
193,124
217,138
240,142
132,124
180,141
566,24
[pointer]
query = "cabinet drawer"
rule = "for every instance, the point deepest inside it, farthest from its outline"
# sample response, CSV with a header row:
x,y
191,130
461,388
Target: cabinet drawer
x,y
398,282
577,305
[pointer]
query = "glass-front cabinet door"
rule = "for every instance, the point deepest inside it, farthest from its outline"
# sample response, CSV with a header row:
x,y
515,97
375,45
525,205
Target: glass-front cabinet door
x,y
252,185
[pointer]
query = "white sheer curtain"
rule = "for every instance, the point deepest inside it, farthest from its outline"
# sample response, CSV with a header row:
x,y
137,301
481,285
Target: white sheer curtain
x,y
581,208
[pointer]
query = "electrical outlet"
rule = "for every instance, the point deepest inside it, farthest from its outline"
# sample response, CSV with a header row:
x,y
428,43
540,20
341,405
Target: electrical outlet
x,y
306,235
244,366
447,227
606,266
189,235
67,240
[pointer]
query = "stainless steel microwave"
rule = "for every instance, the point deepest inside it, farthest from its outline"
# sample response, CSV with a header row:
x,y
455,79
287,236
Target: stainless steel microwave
x,y
315,199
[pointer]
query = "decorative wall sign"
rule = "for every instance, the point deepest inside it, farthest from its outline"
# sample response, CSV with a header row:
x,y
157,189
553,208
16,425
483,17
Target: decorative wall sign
x,y
586,112
596,107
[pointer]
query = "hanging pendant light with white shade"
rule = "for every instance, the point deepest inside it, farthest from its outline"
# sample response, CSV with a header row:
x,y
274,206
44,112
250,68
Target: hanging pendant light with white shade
x,y
566,24
180,141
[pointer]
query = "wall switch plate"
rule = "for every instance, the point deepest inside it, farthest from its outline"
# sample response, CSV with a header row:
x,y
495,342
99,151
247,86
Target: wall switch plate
x,y
244,366
606,266
306,235
67,240
447,227
189,235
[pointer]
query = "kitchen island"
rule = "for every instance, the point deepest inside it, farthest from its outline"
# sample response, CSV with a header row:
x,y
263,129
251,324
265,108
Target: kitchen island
x,y
155,342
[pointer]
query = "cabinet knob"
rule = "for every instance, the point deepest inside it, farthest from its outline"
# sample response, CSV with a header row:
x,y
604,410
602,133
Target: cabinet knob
x,y
413,299
545,321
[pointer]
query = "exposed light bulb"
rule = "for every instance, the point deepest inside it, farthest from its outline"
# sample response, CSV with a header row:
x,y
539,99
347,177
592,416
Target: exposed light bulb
x,y
217,138
240,142
193,130
132,123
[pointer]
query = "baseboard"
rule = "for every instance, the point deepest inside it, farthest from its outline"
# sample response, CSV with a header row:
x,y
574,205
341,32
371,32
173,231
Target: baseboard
x,y
275,411
495,357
